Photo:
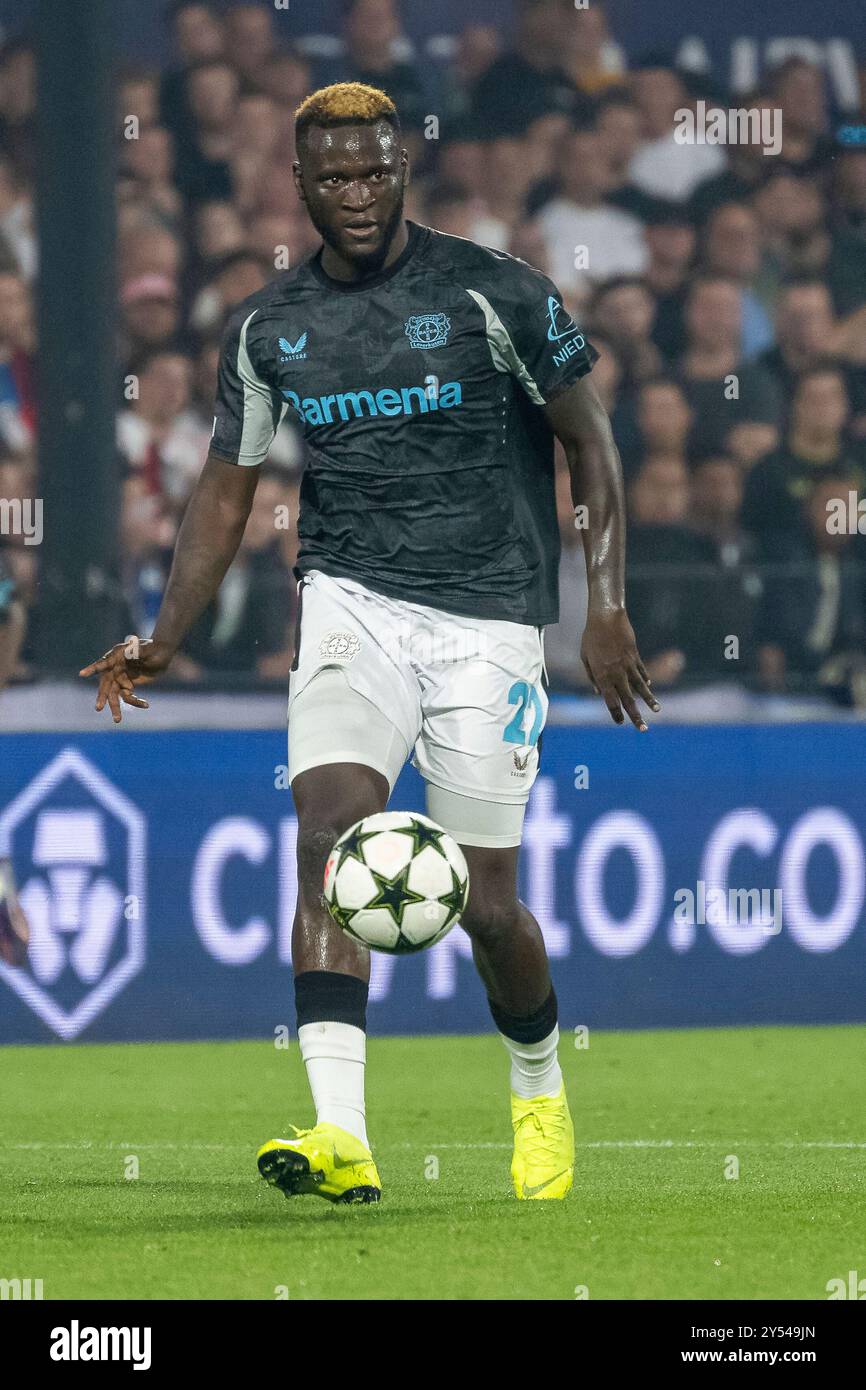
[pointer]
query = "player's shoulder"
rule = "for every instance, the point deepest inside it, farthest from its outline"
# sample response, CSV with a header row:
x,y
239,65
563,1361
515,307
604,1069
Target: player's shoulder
x,y
483,268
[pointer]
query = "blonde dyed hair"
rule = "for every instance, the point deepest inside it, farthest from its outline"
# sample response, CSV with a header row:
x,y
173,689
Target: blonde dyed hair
x,y
345,103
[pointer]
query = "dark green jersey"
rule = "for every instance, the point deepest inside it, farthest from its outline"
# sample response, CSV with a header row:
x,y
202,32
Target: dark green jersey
x,y
429,464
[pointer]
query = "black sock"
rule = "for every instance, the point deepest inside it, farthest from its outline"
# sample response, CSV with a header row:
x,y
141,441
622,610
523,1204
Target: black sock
x,y
325,996
527,1028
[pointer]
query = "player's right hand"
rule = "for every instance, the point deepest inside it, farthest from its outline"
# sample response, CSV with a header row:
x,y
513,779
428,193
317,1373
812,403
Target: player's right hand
x,y
137,661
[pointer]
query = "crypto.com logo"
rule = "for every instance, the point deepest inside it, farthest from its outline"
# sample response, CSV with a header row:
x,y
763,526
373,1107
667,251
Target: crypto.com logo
x,y
78,845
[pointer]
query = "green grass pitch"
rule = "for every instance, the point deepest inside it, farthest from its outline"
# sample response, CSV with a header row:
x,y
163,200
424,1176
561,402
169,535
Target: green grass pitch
x,y
659,1117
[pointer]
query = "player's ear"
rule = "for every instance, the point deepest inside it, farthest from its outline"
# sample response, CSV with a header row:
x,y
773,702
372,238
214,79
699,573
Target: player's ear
x,y
404,166
298,180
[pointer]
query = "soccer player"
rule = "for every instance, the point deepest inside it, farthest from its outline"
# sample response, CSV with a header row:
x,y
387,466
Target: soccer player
x,y
429,376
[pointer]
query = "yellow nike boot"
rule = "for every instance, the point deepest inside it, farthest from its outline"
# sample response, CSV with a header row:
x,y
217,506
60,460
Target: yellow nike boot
x,y
326,1161
543,1162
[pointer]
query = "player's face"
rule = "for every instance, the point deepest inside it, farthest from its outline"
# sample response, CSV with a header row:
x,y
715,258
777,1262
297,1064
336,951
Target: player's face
x,y
352,179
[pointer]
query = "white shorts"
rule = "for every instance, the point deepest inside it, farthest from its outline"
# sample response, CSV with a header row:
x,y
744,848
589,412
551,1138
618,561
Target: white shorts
x,y
377,679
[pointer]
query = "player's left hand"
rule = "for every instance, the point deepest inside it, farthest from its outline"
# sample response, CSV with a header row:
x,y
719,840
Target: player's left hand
x,y
612,662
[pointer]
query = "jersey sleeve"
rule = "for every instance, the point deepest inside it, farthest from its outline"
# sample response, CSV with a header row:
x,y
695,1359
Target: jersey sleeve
x,y
531,335
247,410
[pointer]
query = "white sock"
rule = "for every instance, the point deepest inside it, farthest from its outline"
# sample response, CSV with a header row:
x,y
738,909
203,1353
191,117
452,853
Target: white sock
x,y
334,1055
535,1067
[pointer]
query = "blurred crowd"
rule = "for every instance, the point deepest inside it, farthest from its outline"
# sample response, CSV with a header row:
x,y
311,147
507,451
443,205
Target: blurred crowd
x,y
724,288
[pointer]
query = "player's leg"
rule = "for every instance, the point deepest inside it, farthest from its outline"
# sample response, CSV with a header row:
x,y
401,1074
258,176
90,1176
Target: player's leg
x,y
507,944
331,972
509,954
345,753
479,751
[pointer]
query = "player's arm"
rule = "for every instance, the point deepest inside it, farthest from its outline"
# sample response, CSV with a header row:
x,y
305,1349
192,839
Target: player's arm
x,y
211,531
609,651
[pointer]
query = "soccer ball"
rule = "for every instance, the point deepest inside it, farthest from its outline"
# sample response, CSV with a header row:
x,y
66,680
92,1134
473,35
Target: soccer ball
x,y
396,882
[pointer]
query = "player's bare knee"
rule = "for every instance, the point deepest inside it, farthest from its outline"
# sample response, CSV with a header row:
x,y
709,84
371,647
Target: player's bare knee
x,y
315,842
342,793
317,836
322,819
488,920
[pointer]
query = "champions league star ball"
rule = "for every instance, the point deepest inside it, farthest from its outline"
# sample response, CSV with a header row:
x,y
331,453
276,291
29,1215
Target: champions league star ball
x,y
396,882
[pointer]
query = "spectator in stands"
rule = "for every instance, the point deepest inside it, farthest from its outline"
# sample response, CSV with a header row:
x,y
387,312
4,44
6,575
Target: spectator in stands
x,y
721,389
510,170
731,593
138,96
618,122
17,366
204,379
816,444
150,315
659,423
848,185
622,310
159,435
377,53
664,555
670,241
478,47
746,167
793,216
846,268
17,233
263,144
590,58
731,248
18,106
249,627
807,332
231,279
148,162
199,37
528,82
249,41
218,232
13,623
749,440
278,241
812,621
205,142
19,565
449,208
587,239
796,87
286,79
662,166
716,504
147,249
606,374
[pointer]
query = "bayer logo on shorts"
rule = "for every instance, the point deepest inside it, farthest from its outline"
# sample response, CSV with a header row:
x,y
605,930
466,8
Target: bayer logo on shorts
x,y
340,646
